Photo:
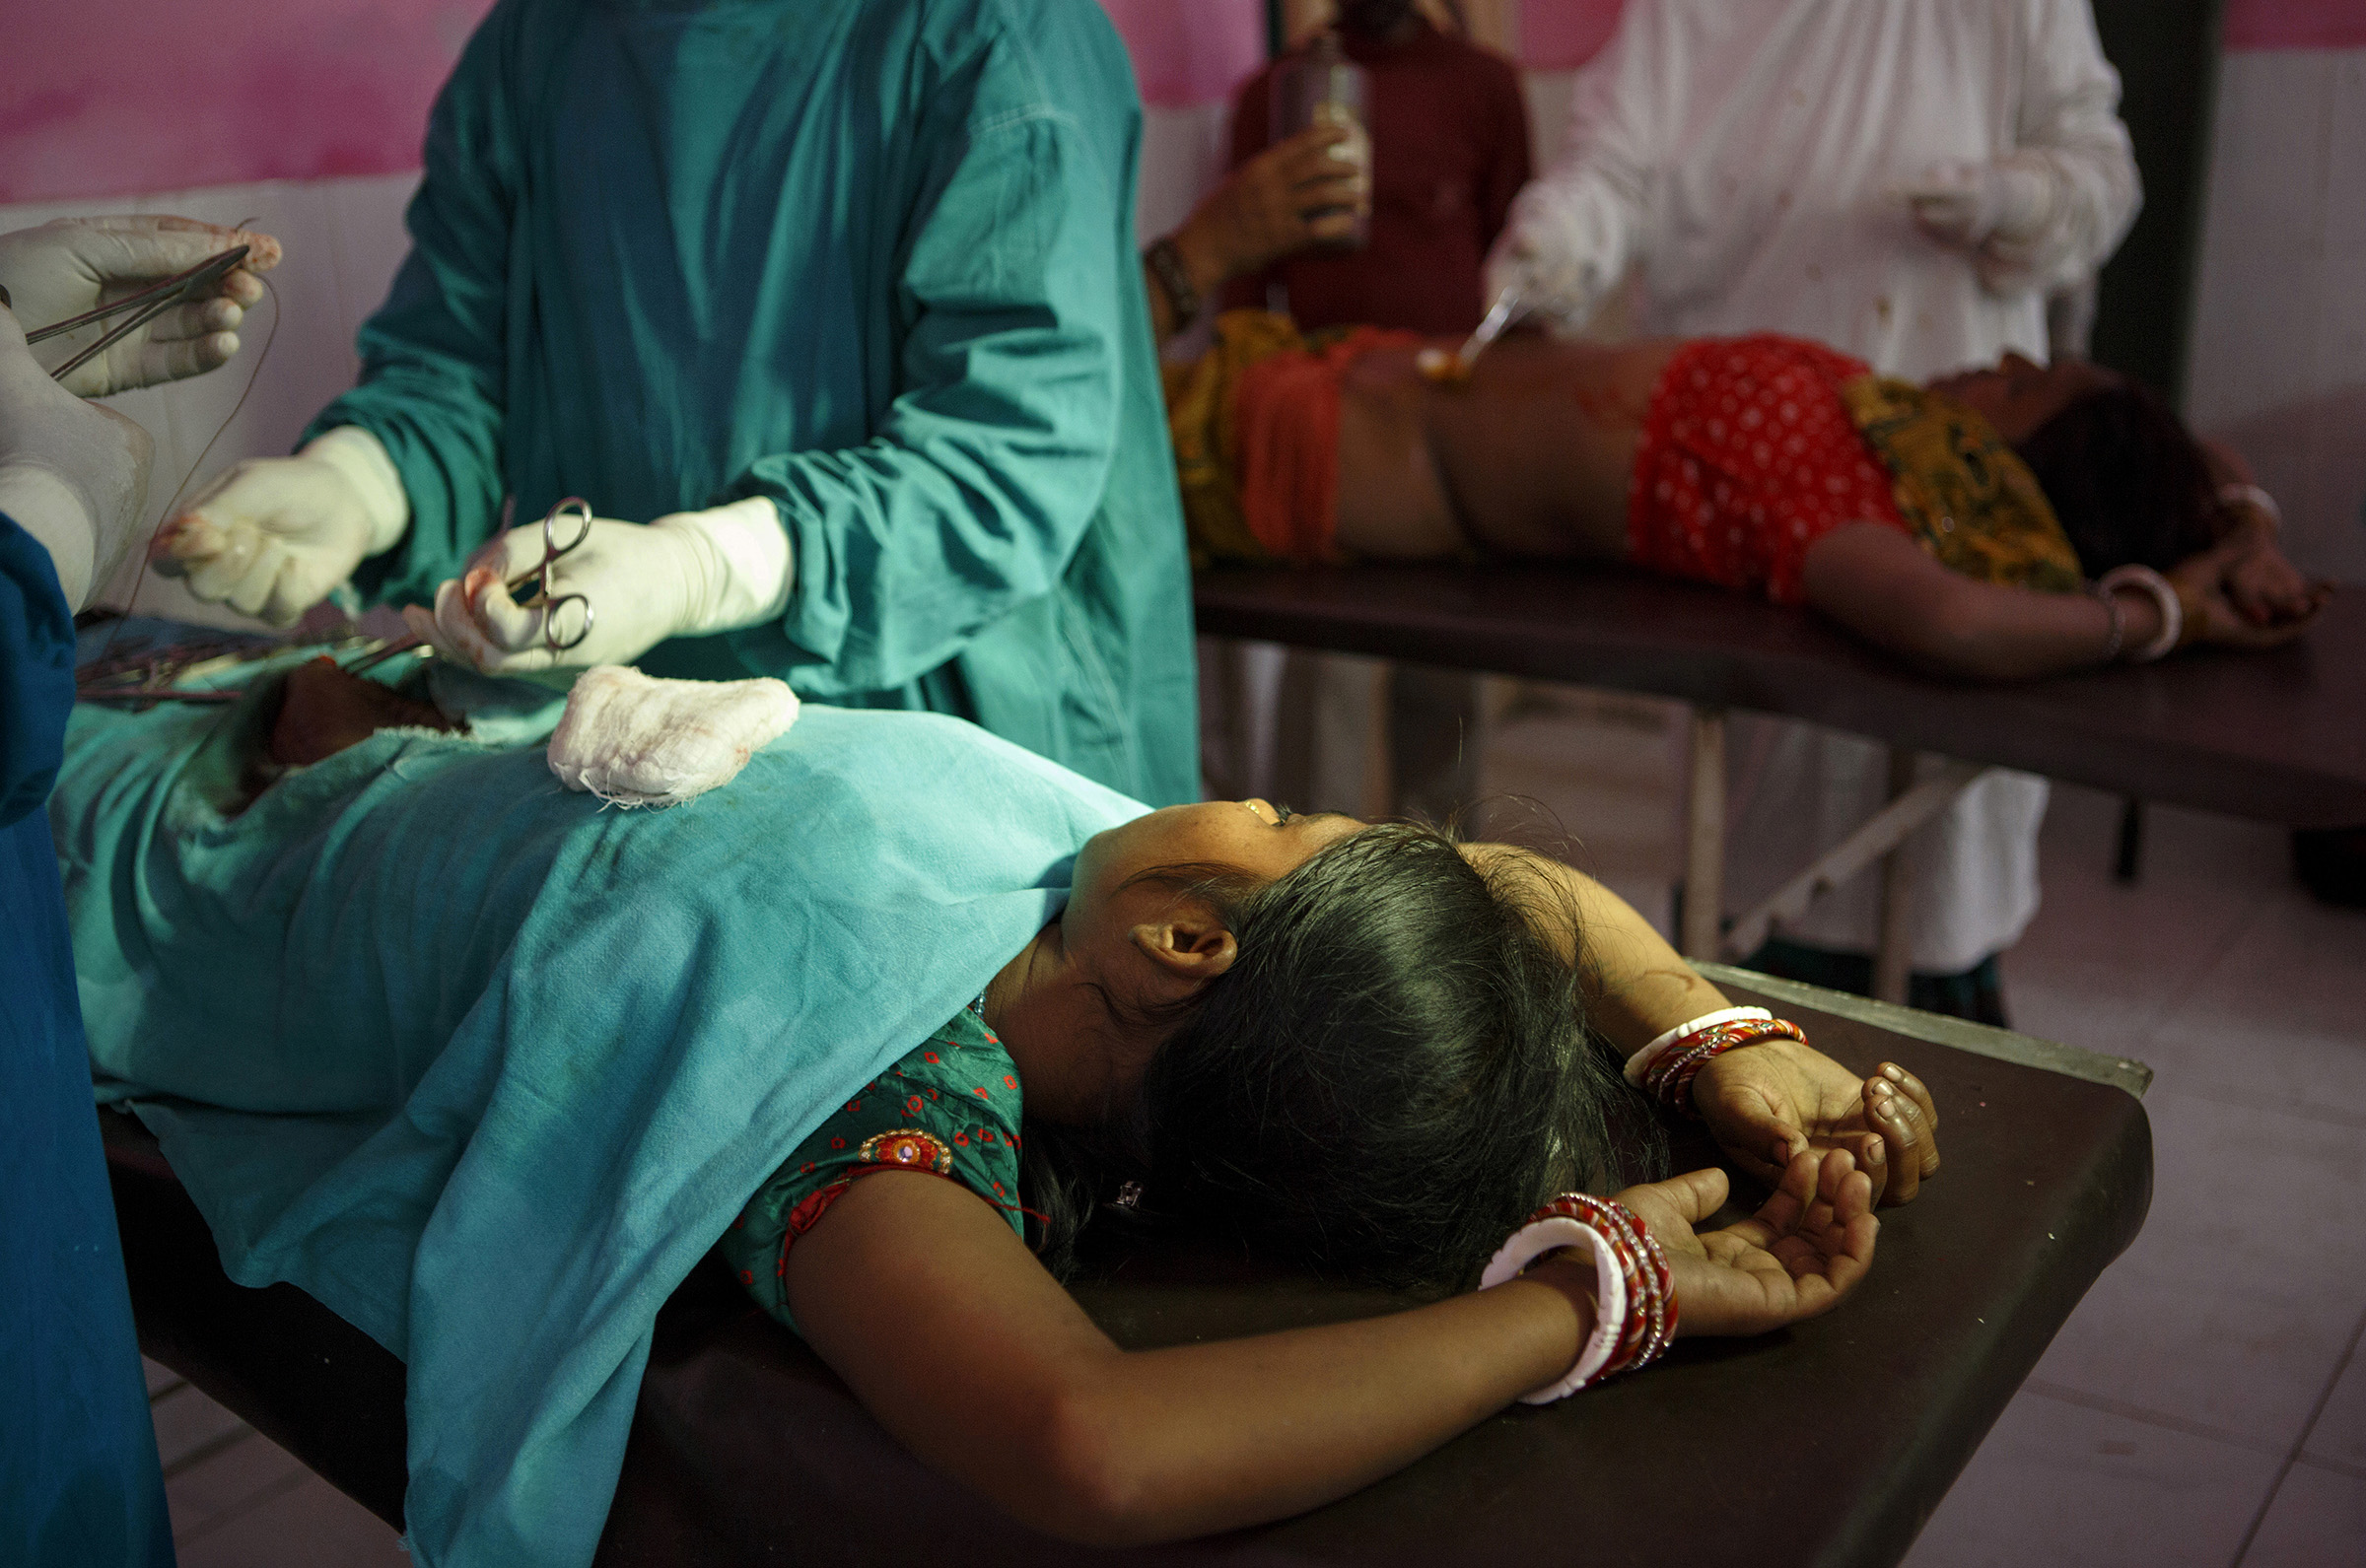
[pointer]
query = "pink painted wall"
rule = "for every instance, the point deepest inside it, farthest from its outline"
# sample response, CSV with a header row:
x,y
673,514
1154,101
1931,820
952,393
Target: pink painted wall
x,y
1563,34
1190,51
2296,24
105,98
108,97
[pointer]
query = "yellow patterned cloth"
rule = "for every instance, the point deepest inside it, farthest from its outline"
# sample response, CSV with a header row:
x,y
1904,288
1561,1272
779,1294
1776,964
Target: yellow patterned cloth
x,y
1969,499
1199,416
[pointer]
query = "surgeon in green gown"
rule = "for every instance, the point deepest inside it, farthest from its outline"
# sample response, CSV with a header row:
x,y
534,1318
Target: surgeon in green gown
x,y
832,313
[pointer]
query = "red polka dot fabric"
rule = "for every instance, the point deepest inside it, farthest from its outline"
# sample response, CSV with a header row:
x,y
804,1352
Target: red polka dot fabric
x,y
1748,456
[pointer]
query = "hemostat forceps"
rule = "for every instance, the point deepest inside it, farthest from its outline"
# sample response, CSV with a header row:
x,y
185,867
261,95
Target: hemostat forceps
x,y
542,598
145,307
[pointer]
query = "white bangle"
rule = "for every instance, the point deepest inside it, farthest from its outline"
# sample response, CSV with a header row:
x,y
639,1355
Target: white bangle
x,y
1640,1062
2173,614
1531,1242
2255,496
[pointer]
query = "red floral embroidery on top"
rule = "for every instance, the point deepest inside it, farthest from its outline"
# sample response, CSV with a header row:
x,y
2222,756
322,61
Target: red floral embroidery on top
x,y
804,1218
854,1152
801,1217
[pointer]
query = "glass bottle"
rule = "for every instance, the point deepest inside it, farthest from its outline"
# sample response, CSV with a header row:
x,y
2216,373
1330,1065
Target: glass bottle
x,y
1323,87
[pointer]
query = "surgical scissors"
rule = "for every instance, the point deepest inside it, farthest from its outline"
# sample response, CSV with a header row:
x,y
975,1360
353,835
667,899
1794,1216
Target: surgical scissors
x,y
552,550
146,305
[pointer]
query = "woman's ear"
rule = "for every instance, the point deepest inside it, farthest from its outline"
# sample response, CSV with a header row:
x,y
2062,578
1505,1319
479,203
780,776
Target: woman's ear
x,y
1187,947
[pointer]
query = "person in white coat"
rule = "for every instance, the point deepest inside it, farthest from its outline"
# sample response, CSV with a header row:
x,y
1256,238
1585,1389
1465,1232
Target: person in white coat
x,y
1906,181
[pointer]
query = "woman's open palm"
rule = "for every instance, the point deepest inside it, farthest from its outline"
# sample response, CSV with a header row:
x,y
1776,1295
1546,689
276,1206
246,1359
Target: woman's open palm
x,y
1803,1251
1768,1102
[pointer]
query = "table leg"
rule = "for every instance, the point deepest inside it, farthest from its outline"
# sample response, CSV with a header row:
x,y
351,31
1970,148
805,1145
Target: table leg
x,y
1705,835
1894,953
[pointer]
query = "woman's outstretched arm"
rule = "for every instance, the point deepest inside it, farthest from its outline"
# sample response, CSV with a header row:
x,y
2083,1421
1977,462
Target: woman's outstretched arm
x,y
958,1343
1877,582
1764,1105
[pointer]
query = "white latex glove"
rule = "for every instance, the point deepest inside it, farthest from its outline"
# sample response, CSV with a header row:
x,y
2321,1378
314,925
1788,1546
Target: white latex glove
x,y
1973,204
690,573
274,535
71,474
71,265
1557,269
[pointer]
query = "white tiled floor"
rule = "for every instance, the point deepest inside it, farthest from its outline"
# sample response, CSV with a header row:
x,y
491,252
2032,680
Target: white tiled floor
x,y
241,1501
2207,1403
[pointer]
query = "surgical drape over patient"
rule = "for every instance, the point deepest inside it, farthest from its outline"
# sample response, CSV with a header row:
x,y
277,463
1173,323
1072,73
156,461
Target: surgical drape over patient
x,y
486,1068
871,260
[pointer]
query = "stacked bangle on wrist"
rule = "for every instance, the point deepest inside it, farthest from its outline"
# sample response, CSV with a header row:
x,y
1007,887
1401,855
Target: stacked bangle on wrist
x,y
2252,496
1166,264
1666,1068
1634,1294
2148,581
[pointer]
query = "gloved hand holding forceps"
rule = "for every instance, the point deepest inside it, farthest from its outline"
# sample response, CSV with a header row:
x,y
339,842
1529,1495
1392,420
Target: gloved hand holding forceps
x,y
70,266
275,534
74,474
605,592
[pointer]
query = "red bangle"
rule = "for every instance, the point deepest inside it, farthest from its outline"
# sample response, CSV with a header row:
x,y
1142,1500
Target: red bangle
x,y
1669,1078
1638,1321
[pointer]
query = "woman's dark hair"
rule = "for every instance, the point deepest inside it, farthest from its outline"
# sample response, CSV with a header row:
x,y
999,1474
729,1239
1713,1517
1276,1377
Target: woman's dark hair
x,y
1393,1073
2127,479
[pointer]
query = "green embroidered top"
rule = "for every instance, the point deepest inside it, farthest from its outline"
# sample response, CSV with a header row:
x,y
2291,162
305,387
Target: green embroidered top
x,y
951,1108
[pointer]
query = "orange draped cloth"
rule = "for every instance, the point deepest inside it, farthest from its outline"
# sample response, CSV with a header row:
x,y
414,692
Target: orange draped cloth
x,y
1255,423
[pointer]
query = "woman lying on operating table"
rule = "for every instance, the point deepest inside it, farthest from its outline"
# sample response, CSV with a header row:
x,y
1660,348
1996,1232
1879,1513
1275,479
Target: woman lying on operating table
x,y
487,1068
1954,524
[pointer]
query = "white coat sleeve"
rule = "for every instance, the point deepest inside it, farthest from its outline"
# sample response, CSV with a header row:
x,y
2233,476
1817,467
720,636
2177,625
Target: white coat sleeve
x,y
1575,231
2068,129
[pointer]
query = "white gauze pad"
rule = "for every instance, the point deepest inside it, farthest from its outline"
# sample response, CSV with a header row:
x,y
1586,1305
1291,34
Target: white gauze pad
x,y
636,741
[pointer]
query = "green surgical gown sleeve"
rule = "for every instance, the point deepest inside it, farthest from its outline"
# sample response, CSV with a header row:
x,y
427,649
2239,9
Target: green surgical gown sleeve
x,y
987,468
873,259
